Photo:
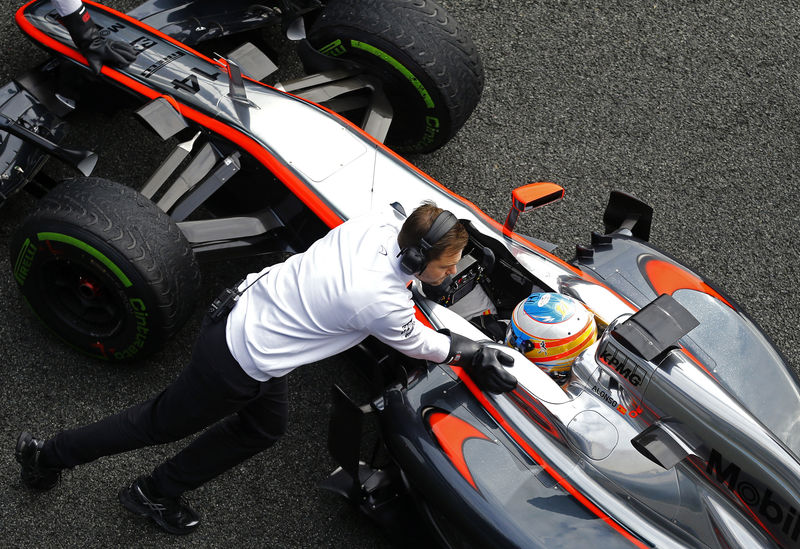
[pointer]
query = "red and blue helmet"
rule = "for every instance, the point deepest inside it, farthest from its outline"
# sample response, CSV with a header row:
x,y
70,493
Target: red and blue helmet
x,y
551,330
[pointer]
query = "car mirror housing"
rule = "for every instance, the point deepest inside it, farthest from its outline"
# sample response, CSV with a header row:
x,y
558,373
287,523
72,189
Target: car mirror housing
x,y
529,197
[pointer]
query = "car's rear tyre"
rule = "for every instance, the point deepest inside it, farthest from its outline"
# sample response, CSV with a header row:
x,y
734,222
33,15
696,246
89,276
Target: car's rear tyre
x,y
105,269
429,68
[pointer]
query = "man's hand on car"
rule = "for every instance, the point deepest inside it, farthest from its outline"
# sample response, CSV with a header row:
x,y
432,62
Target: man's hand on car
x,y
488,370
485,365
97,49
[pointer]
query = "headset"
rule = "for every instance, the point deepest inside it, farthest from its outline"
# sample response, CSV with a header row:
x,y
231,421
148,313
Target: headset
x,y
413,259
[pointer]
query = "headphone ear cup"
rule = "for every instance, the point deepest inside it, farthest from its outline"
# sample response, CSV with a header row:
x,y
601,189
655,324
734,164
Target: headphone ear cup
x,y
412,260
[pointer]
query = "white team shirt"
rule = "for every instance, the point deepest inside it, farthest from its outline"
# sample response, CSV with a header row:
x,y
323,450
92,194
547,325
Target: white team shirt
x,y
65,7
346,286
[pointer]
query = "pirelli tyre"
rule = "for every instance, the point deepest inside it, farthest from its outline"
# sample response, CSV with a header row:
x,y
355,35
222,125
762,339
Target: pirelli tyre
x,y
105,269
429,68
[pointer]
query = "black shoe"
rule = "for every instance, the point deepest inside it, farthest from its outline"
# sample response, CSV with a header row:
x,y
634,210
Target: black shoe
x,y
33,474
171,514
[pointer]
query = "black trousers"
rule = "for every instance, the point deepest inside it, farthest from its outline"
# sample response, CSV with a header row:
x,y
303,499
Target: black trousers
x,y
246,415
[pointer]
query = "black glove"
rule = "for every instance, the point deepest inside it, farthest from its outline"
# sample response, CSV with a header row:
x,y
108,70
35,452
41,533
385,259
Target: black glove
x,y
97,49
483,364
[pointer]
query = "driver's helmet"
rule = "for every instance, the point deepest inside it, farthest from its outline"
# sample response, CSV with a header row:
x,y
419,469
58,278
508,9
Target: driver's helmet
x,y
551,330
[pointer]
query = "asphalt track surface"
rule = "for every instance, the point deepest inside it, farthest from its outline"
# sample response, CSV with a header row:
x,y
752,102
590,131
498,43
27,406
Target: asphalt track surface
x,y
691,106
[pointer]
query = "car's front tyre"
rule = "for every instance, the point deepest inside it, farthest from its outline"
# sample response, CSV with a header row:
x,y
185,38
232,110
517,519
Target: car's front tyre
x,y
429,68
105,269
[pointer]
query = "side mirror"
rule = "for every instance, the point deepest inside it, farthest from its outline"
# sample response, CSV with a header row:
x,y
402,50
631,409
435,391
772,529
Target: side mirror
x,y
530,197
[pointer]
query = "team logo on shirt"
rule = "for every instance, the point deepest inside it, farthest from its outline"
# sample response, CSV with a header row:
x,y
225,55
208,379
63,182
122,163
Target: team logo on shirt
x,y
407,328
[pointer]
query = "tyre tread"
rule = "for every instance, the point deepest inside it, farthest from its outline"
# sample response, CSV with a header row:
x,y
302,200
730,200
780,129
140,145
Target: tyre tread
x,y
137,229
429,35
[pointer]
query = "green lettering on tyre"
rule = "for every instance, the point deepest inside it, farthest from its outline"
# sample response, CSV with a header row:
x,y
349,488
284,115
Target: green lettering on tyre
x,y
431,129
426,97
24,261
334,49
141,315
94,252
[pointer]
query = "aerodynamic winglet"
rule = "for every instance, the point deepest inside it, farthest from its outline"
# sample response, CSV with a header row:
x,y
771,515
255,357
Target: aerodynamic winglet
x,y
656,327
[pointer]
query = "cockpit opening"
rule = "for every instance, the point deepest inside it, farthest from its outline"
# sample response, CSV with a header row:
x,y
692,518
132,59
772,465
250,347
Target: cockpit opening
x,y
511,306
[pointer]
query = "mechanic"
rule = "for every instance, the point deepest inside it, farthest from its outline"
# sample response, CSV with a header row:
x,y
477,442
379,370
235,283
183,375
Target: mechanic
x,y
351,283
97,49
551,330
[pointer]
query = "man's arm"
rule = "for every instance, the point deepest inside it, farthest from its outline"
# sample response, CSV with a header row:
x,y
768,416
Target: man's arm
x,y
65,7
486,366
400,330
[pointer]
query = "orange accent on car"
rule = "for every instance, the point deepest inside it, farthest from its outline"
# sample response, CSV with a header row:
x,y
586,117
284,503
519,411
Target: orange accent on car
x,y
419,315
528,448
668,278
452,433
534,192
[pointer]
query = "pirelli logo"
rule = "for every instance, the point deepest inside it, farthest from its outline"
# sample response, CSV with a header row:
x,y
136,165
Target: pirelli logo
x,y
613,356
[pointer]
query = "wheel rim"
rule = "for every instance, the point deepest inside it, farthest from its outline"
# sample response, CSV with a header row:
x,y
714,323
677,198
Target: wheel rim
x,y
82,299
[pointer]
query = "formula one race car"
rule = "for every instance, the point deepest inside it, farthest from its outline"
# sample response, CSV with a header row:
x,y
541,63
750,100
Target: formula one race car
x,y
658,437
